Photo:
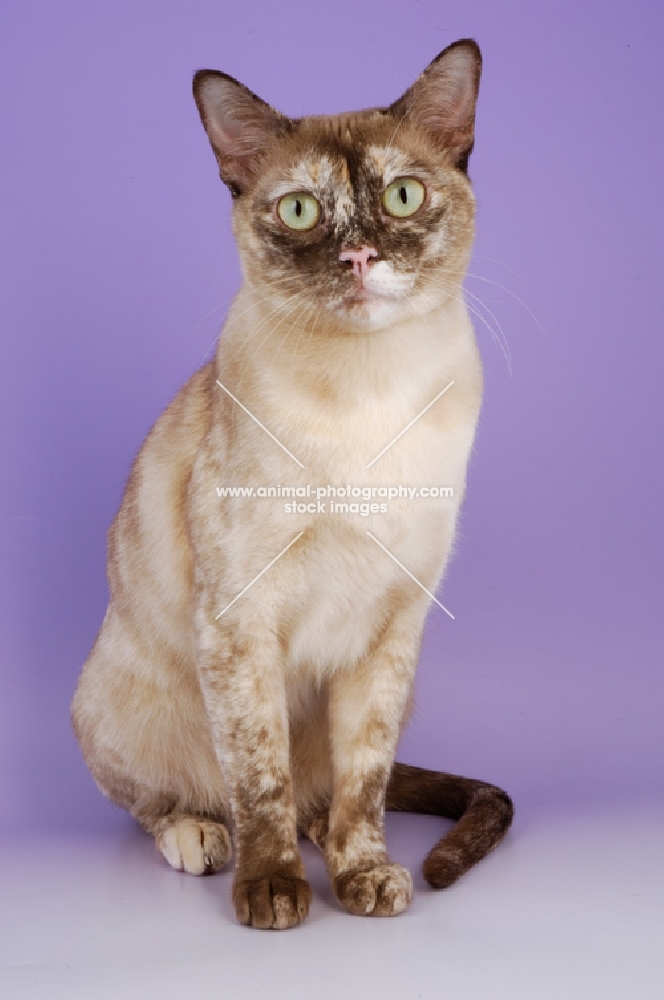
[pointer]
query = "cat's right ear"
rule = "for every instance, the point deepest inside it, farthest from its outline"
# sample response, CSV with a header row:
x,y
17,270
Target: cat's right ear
x,y
238,123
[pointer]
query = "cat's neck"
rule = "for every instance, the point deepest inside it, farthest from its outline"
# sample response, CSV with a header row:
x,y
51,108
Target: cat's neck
x,y
262,341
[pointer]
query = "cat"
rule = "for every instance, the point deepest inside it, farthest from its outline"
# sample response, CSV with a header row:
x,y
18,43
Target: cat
x,y
255,666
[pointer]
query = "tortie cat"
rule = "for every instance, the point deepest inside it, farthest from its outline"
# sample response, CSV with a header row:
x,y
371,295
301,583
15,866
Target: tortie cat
x,y
255,666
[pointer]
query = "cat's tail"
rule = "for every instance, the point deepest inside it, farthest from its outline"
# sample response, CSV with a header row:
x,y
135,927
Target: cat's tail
x,y
484,813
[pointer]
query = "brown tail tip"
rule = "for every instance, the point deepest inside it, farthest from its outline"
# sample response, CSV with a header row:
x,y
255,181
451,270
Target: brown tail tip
x,y
484,813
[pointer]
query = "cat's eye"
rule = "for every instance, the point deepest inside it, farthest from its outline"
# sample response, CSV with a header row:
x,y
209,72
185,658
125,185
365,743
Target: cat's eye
x,y
299,210
403,197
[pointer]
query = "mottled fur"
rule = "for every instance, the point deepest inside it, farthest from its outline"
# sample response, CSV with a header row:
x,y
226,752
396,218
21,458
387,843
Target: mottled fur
x,y
284,713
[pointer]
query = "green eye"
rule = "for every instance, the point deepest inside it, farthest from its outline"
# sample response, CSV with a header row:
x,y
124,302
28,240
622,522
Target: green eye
x,y
403,197
299,210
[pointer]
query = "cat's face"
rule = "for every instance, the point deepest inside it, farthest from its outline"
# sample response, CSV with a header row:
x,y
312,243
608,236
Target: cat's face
x,y
353,221
346,177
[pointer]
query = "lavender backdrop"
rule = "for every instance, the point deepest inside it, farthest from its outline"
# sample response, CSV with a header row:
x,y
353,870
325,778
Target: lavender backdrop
x,y
118,264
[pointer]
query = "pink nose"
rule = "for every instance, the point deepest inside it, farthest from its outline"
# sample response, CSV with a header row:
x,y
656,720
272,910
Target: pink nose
x,y
360,259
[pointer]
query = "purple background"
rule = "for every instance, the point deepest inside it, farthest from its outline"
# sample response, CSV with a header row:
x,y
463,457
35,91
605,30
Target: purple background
x,y
118,264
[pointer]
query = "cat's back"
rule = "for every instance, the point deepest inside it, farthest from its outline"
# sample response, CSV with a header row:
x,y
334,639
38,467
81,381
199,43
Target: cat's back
x,y
149,557
143,658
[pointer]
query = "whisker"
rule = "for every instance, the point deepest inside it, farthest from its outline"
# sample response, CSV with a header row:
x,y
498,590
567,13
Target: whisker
x,y
297,343
212,311
296,320
213,343
527,308
289,312
279,282
503,349
501,263
266,319
452,292
502,339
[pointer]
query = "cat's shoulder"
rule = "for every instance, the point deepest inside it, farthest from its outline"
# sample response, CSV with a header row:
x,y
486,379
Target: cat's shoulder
x,y
173,440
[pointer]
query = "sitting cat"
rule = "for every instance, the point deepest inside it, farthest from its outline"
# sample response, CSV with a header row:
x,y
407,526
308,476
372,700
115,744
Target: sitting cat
x,y
255,665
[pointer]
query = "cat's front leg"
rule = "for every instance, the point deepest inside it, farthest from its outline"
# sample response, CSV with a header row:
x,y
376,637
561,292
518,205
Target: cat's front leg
x,y
367,707
243,686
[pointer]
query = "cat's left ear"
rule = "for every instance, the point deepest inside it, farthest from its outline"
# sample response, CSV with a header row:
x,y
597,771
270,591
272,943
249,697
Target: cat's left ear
x,y
443,98
239,125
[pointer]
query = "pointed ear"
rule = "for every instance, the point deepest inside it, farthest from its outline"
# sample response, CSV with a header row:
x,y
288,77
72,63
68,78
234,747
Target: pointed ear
x,y
442,100
239,125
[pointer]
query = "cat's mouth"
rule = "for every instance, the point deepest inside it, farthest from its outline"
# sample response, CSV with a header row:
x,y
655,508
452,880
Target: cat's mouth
x,y
368,307
379,291
366,295
371,299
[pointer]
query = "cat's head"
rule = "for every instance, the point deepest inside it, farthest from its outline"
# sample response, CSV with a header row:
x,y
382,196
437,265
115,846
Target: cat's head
x,y
366,217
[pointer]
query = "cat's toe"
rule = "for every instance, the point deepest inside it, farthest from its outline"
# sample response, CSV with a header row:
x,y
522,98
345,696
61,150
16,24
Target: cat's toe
x,y
276,901
195,846
383,891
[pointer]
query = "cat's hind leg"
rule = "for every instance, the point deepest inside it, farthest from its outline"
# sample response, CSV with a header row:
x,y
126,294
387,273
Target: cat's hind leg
x,y
193,844
197,843
147,747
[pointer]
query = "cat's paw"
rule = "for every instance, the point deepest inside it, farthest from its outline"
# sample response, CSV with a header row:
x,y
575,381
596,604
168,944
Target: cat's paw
x,y
199,847
278,901
382,891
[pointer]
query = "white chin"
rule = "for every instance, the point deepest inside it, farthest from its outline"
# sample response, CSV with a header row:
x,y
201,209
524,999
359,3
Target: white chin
x,y
371,313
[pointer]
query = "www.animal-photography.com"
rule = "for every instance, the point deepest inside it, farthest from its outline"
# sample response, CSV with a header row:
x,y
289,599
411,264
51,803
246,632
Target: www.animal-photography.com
x,y
331,535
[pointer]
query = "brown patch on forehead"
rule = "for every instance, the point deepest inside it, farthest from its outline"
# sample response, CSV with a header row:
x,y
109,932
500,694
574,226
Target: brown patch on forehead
x,y
345,140
339,134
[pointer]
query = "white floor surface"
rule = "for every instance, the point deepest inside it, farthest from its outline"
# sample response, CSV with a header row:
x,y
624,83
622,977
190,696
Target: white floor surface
x,y
565,909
